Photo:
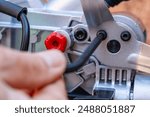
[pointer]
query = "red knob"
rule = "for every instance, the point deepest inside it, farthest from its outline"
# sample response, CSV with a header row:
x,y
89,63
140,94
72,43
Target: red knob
x,y
56,41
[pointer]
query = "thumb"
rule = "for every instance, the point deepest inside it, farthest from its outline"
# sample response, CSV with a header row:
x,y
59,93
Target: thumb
x,y
30,71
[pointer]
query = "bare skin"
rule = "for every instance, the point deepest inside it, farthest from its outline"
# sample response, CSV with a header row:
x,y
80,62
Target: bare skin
x,y
38,76
32,76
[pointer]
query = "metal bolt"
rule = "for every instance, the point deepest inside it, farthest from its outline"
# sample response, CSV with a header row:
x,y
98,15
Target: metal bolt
x,y
125,36
80,34
102,33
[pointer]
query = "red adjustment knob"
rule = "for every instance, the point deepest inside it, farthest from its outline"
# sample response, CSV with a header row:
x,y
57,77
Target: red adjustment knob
x,y
56,41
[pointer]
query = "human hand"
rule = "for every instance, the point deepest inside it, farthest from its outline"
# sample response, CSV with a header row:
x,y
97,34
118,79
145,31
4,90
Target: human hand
x,y
22,73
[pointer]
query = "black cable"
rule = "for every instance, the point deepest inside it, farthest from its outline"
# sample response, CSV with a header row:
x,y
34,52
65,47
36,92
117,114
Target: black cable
x,y
12,9
101,36
25,32
20,14
113,3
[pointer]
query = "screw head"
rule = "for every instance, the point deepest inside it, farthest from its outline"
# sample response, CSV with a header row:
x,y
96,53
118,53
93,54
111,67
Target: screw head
x,y
125,36
80,34
102,33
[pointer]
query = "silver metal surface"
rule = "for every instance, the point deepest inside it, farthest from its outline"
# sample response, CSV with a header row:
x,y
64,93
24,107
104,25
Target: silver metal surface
x,y
42,20
73,81
39,21
115,78
115,71
142,87
133,46
96,12
86,82
103,69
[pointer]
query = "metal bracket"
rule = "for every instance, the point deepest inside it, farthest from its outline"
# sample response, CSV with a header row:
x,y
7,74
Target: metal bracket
x,y
96,12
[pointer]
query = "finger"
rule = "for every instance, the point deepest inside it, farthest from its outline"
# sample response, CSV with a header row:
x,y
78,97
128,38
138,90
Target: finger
x,y
8,93
25,70
55,91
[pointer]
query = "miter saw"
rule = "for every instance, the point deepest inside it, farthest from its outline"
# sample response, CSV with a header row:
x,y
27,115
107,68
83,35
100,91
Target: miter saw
x,y
106,53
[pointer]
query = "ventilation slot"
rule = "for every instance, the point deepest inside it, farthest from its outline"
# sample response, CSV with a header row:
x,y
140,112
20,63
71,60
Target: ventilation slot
x,y
109,75
124,76
117,76
102,75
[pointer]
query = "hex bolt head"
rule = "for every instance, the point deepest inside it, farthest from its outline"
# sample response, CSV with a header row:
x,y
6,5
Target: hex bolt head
x,y
80,34
102,33
126,36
